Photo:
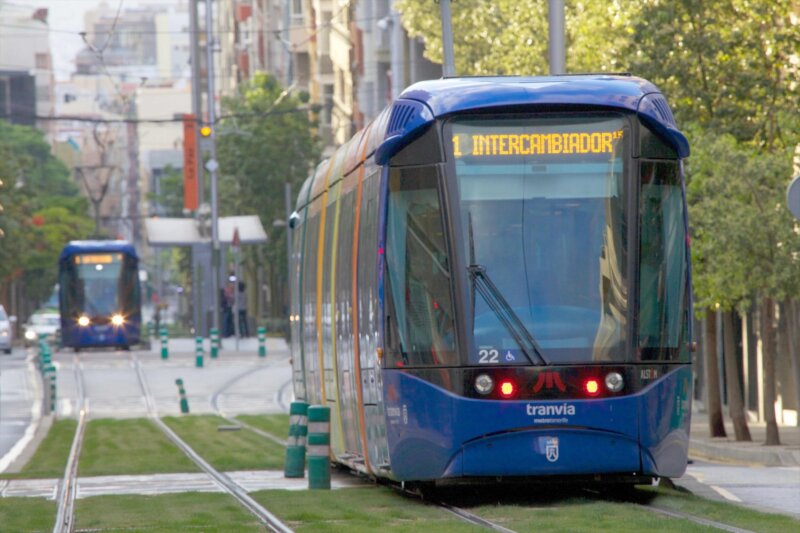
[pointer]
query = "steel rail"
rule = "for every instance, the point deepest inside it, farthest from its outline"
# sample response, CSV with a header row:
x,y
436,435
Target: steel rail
x,y
223,481
65,515
696,519
214,403
472,518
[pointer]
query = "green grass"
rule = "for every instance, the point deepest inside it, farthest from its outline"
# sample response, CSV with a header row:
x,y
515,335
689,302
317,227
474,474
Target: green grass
x,y
50,458
227,450
580,514
276,425
365,510
727,513
165,513
129,447
25,515
565,509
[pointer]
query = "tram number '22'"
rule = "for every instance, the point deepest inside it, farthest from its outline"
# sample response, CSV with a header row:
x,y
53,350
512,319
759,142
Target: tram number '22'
x,y
491,356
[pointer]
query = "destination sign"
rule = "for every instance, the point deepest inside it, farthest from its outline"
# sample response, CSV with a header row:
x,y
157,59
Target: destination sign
x,y
515,144
97,259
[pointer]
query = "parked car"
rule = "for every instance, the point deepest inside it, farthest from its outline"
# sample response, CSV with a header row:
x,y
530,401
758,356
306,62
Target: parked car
x,y
6,330
46,322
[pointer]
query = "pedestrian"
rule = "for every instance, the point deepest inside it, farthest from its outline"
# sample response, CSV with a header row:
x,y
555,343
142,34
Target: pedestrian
x,y
243,329
227,309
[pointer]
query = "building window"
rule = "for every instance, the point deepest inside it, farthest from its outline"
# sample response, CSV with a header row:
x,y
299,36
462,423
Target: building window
x,y
43,61
297,12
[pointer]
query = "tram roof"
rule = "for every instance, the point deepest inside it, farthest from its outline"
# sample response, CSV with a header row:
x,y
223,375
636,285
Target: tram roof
x,y
422,103
81,247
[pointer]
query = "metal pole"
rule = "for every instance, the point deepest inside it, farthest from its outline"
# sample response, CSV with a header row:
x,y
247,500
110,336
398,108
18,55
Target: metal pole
x,y
198,317
287,190
286,42
212,166
555,17
448,66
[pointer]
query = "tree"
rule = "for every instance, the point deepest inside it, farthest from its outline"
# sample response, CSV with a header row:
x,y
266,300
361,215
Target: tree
x,y
267,141
728,67
42,211
510,36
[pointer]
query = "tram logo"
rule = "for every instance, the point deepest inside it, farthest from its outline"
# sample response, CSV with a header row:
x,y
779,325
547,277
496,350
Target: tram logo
x,y
549,380
551,449
550,410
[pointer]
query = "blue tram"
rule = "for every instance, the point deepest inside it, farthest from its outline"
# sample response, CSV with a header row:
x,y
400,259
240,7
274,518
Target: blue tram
x,y
492,280
99,294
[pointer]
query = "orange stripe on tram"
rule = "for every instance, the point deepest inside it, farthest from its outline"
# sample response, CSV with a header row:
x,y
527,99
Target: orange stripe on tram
x,y
357,360
320,264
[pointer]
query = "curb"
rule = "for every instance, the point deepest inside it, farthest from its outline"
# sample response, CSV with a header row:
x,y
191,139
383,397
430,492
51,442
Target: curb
x,y
744,452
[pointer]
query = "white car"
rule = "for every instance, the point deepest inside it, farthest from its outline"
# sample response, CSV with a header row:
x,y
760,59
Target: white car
x,y
6,330
42,322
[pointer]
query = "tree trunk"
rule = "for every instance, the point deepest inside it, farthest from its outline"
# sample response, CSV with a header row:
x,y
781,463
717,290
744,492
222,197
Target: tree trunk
x,y
793,337
768,355
735,398
716,426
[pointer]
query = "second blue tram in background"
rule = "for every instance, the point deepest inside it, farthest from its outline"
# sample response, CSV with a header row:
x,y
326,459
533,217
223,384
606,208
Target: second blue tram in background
x,y
99,295
492,280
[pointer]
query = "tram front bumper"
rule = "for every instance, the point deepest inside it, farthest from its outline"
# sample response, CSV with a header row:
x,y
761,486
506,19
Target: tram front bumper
x,y
547,451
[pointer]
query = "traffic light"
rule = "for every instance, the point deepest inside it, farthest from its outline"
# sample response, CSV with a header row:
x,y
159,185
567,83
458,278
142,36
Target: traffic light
x,y
205,131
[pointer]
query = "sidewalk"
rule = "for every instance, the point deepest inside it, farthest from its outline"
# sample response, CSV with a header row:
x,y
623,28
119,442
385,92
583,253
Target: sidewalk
x,y
726,449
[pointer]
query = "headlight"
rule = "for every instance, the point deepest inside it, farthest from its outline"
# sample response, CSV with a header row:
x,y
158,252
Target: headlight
x,y
117,320
4,333
30,334
614,381
484,384
83,321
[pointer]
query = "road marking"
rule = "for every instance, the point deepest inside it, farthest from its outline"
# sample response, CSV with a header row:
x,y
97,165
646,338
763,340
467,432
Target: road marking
x,y
728,495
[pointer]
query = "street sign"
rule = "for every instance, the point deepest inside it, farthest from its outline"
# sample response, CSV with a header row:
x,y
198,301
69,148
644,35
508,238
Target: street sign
x,y
235,241
212,165
793,197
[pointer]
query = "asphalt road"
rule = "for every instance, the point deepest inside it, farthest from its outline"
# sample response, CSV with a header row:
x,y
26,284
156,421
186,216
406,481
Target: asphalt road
x,y
18,402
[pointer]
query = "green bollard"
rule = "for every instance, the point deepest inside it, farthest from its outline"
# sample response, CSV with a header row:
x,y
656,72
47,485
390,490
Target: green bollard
x,y
164,343
318,448
184,403
262,342
53,390
295,464
214,343
198,352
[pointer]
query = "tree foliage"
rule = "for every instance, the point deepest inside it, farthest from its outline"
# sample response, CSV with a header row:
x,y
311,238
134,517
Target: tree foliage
x,y
745,241
42,210
511,36
267,141
730,66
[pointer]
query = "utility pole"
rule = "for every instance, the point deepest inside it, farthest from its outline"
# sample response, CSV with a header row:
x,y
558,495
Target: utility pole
x,y
198,316
448,65
212,167
555,16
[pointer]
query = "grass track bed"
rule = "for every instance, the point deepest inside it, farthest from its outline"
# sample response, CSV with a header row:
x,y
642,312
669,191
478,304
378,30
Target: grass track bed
x,y
727,513
364,510
50,458
27,514
129,447
165,513
227,450
275,425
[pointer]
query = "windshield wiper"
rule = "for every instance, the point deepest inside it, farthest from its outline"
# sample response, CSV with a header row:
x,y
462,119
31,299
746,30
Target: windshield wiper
x,y
505,313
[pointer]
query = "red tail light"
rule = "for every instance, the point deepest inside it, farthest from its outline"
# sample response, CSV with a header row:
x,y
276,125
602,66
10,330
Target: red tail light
x,y
507,388
592,387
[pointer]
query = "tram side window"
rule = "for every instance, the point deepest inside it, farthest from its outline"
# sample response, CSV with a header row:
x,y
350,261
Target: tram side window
x,y
421,328
663,290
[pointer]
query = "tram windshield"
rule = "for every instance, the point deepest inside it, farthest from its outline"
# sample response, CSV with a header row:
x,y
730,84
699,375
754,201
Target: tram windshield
x,y
543,207
96,284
